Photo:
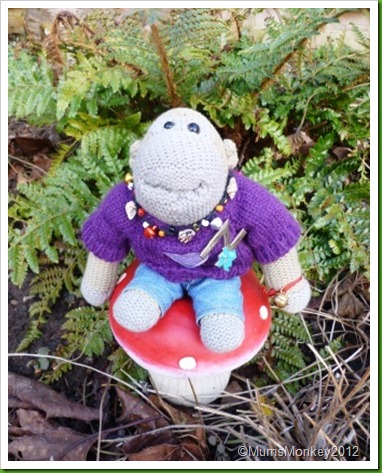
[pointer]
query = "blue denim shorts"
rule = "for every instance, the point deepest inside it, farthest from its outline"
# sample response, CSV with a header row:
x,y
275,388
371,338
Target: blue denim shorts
x,y
209,296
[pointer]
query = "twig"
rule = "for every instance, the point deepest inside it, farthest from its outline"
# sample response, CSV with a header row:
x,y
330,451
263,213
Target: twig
x,y
105,432
27,163
101,420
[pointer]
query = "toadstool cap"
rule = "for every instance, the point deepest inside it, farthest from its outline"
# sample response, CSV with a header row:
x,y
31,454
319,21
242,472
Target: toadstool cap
x,y
173,346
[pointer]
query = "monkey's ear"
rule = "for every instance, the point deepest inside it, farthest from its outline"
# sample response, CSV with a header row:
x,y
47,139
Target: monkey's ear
x,y
231,153
134,150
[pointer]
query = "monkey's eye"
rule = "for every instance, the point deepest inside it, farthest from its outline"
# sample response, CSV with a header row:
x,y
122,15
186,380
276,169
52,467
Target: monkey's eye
x,y
169,125
193,127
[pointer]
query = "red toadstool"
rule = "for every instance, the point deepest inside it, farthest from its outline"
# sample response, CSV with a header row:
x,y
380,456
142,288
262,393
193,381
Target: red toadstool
x,y
182,369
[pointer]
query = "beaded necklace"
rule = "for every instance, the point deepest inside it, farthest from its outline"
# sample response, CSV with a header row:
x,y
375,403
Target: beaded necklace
x,y
150,230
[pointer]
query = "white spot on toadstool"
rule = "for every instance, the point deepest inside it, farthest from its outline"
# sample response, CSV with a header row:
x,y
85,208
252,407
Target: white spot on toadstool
x,y
187,363
263,312
122,277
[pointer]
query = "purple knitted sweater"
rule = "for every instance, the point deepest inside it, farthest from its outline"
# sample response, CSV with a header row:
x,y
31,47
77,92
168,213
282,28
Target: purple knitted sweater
x,y
271,233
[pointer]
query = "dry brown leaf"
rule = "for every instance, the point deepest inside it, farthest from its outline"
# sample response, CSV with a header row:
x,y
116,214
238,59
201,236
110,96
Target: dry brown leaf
x,y
15,403
341,152
300,142
154,445
165,452
182,417
136,443
177,416
233,388
42,440
30,145
134,408
350,306
47,400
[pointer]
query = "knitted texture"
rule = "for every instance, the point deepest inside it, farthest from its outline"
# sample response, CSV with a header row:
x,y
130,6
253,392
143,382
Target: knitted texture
x,y
99,280
171,183
298,297
283,271
136,311
271,233
221,332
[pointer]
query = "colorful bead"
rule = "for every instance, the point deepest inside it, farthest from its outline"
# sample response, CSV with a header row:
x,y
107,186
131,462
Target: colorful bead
x,y
150,231
186,235
216,223
128,178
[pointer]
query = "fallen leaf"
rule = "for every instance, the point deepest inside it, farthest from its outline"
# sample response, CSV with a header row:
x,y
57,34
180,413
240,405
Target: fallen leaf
x,y
350,306
165,452
233,388
341,152
182,417
136,443
135,408
46,399
30,145
262,405
16,403
162,445
43,440
300,142
177,416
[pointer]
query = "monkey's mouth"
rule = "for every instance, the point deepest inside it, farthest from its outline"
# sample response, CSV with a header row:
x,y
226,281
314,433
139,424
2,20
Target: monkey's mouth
x,y
164,188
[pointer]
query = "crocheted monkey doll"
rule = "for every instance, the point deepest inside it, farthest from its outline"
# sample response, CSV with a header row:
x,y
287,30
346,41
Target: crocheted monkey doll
x,y
196,226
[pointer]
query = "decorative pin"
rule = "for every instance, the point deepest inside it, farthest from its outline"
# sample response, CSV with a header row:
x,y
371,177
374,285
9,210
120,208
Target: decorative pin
x,y
131,209
186,235
232,188
216,223
228,254
226,257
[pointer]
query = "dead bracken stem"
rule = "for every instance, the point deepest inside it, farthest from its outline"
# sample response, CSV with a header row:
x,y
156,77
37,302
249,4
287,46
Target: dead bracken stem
x,y
170,83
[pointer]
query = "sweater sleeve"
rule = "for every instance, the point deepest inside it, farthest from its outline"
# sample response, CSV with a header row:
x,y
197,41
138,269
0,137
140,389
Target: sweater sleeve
x,y
102,233
272,230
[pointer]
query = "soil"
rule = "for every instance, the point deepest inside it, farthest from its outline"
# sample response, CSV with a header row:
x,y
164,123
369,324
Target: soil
x,y
18,322
72,383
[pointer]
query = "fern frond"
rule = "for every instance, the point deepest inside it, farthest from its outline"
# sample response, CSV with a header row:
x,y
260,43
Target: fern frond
x,y
31,90
33,333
